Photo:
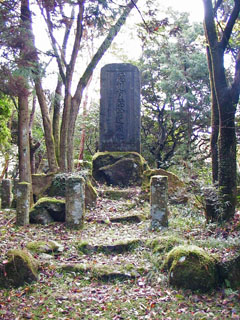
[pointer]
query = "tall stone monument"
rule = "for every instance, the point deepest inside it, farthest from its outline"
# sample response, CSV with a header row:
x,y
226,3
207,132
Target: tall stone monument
x,y
120,108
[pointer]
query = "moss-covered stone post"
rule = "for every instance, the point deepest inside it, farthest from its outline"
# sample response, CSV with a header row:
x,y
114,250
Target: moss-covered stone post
x,y
23,190
159,198
75,202
6,193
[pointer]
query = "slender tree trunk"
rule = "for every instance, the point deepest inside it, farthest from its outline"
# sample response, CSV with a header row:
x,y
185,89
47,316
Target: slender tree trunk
x,y
56,117
23,140
52,161
214,122
77,98
227,98
33,62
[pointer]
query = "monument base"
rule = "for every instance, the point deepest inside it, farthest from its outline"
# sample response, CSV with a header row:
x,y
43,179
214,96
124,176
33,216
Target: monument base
x,y
121,169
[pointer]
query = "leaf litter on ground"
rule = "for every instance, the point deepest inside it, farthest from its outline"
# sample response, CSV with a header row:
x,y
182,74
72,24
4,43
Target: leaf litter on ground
x,y
70,295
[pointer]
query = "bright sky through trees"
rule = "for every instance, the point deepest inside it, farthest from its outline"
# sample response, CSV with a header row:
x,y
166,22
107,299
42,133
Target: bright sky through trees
x,y
195,7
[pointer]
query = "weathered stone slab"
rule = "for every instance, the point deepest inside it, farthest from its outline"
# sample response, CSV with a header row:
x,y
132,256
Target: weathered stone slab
x,y
23,203
75,202
6,193
159,209
120,108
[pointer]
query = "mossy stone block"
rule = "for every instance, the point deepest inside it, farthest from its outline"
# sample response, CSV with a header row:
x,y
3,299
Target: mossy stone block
x,y
20,269
119,168
190,267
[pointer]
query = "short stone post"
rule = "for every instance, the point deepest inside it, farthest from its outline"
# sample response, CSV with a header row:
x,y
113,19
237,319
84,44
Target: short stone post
x,y
6,193
159,198
23,203
75,202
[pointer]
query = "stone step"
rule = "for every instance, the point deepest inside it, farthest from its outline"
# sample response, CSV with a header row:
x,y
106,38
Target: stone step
x,y
117,247
100,272
133,218
116,194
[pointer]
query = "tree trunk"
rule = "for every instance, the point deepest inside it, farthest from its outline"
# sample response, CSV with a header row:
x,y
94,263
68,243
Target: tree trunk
x,y
214,122
52,161
23,139
76,101
227,158
56,117
227,98
33,62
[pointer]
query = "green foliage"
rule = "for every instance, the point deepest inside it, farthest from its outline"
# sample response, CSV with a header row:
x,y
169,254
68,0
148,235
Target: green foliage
x,y
175,90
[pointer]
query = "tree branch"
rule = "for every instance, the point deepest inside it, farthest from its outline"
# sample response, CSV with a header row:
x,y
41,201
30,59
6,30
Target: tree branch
x,y
103,48
235,89
230,24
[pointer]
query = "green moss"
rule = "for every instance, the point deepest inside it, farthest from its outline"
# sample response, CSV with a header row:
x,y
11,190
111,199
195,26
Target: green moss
x,y
164,244
49,200
90,186
21,268
174,183
117,247
99,272
43,246
190,267
83,247
119,168
24,183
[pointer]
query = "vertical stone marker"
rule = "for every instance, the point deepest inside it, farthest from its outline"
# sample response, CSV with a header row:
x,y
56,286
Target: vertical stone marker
x,y
6,197
120,108
75,202
23,203
159,198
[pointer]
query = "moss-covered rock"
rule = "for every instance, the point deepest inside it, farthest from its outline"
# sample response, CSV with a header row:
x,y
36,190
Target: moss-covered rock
x,y
119,168
90,195
230,272
100,272
117,247
20,268
47,210
176,187
44,246
190,267
82,165
165,244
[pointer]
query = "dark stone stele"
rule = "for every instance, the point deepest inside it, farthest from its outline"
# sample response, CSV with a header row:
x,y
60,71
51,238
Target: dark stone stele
x,y
120,108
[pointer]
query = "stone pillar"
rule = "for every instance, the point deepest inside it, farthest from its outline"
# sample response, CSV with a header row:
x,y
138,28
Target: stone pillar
x,y
23,203
159,198
6,193
75,202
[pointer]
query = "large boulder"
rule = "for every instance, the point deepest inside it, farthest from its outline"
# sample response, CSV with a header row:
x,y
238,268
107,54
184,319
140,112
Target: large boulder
x,y
47,210
119,168
21,268
190,267
176,187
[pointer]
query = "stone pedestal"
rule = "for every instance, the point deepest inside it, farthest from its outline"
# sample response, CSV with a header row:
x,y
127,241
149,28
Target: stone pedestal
x,y
23,203
120,108
75,202
159,198
6,193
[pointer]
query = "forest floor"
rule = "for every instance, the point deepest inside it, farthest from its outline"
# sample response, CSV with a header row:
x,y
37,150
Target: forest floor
x,y
77,283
